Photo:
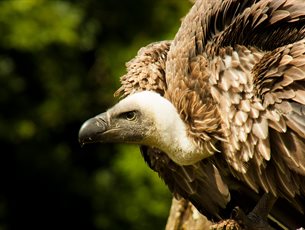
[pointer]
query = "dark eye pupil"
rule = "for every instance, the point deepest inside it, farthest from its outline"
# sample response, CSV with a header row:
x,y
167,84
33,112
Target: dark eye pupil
x,y
130,115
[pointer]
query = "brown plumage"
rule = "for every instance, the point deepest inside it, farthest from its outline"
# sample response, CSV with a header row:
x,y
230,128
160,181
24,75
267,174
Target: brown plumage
x,y
235,72
146,71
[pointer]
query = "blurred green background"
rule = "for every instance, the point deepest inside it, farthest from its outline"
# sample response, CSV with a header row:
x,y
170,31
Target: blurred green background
x,y
60,62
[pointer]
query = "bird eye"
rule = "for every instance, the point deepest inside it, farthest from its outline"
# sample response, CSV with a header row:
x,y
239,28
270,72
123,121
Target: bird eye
x,y
130,116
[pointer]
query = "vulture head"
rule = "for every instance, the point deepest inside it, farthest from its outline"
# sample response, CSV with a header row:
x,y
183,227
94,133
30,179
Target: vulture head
x,y
144,118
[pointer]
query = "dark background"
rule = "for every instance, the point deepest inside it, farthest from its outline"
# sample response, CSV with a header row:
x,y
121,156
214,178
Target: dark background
x,y
60,62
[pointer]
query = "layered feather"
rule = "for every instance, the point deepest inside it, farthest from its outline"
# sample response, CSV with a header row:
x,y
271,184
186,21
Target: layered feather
x,y
235,72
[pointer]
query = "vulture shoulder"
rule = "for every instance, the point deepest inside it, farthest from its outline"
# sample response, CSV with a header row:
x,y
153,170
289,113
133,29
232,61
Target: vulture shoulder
x,y
146,71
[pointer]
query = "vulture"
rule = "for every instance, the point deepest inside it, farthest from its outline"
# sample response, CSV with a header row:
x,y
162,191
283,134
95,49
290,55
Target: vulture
x,y
219,111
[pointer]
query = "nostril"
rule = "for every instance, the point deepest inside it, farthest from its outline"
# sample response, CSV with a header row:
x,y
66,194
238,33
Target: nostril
x,y
100,122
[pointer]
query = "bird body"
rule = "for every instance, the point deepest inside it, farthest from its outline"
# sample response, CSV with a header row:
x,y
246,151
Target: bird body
x,y
226,103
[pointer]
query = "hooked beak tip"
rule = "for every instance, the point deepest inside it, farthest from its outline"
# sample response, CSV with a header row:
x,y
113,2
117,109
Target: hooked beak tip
x,y
90,131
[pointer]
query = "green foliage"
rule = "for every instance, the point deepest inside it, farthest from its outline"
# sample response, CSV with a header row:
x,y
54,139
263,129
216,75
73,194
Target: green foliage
x,y
60,63
144,200
34,24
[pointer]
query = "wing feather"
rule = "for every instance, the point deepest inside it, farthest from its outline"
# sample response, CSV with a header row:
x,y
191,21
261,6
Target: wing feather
x,y
289,141
254,59
200,183
146,71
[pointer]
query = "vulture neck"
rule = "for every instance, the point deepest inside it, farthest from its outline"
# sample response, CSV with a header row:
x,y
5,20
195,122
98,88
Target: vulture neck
x,y
170,133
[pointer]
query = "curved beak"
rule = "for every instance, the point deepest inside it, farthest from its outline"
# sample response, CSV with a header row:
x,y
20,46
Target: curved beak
x,y
92,129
